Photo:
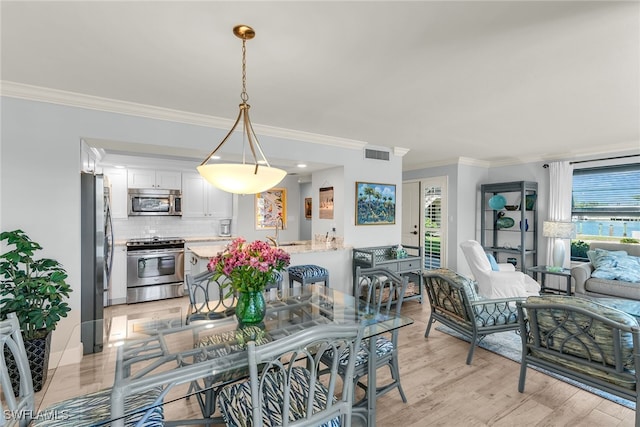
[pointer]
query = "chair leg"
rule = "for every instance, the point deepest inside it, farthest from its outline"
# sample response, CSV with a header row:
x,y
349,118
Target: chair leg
x,y
395,374
431,321
523,374
474,342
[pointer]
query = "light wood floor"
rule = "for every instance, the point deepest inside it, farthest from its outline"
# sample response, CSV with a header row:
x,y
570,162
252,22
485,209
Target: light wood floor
x,y
443,391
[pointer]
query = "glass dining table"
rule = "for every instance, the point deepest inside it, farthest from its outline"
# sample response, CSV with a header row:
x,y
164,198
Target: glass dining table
x,y
192,360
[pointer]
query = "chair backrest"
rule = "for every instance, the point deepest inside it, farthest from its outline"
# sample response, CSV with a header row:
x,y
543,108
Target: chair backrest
x,y
289,374
476,258
450,294
382,291
277,281
207,297
14,409
582,337
210,299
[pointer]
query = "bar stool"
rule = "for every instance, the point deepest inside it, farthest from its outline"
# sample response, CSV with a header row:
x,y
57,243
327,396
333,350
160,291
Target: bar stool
x,y
308,274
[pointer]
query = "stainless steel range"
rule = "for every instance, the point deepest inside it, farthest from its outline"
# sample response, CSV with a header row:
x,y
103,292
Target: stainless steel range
x,y
155,269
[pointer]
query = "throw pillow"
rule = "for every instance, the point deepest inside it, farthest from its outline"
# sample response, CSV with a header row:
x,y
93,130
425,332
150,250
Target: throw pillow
x,y
603,258
625,268
493,262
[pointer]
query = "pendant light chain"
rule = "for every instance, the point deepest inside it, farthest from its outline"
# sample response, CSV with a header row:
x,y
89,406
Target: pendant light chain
x,y
244,96
235,177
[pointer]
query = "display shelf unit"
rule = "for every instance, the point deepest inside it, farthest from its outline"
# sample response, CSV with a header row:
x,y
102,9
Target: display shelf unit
x,y
385,256
519,241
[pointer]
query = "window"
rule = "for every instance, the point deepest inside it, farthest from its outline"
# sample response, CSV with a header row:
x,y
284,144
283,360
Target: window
x,y
434,196
605,205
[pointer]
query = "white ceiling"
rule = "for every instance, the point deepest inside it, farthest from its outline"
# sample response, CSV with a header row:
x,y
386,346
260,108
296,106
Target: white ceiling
x,y
500,82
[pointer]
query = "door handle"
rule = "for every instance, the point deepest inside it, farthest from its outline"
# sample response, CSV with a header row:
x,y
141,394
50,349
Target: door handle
x,y
414,232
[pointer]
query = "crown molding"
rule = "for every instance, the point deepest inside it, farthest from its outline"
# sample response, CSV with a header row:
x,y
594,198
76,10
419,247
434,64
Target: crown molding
x,y
469,161
630,147
73,99
400,151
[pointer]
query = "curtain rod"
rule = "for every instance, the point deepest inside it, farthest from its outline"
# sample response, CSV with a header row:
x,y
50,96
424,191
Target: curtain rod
x,y
546,165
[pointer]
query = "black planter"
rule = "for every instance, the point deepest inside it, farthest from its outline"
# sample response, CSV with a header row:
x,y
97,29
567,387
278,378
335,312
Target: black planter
x,y
38,354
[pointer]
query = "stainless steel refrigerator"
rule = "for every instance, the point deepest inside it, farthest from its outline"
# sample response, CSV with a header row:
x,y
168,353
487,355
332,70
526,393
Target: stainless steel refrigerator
x,y
96,257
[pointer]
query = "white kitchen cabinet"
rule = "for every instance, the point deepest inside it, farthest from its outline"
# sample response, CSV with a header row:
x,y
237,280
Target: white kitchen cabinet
x,y
201,199
118,183
155,179
118,284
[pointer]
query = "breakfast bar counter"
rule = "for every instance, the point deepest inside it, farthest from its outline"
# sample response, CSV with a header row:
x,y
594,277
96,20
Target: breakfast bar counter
x,y
335,257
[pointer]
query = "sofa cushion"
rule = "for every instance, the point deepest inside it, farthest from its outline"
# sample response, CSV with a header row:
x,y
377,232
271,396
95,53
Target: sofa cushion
x,y
614,288
629,248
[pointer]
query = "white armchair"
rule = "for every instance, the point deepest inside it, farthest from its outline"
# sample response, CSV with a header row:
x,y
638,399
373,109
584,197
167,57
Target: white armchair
x,y
504,283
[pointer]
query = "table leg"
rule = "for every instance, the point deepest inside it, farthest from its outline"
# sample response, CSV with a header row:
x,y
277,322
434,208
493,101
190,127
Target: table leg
x,y
371,387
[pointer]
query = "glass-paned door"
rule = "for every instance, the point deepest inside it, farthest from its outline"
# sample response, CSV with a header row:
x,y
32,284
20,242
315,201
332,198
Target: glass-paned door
x,y
434,192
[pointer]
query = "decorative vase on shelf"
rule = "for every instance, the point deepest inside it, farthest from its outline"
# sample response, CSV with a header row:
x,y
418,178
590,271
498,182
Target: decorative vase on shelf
x,y
250,308
526,225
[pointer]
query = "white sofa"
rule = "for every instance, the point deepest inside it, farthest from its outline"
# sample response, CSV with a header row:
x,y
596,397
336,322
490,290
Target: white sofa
x,y
594,287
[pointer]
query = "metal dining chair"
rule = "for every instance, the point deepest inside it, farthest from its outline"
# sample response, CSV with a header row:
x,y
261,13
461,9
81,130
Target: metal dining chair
x,y
22,401
207,297
288,384
382,292
86,410
210,299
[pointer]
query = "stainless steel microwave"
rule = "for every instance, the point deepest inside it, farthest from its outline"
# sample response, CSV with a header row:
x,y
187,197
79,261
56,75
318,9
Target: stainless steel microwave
x,y
143,201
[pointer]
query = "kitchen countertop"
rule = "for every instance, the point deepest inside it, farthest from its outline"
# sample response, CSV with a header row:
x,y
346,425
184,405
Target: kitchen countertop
x,y
296,247
193,239
187,240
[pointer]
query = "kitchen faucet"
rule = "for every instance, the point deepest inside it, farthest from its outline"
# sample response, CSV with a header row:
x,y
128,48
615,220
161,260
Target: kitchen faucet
x,y
276,240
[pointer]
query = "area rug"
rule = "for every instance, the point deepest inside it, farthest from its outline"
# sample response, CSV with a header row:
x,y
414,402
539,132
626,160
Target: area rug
x,y
508,344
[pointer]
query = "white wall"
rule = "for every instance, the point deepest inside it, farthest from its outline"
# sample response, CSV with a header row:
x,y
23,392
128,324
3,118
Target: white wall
x,y
40,179
376,171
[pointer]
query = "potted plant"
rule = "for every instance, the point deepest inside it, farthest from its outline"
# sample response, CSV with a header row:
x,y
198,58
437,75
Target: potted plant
x,y
34,289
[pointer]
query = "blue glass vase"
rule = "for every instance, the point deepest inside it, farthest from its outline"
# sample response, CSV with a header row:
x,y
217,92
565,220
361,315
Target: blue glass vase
x,y
250,308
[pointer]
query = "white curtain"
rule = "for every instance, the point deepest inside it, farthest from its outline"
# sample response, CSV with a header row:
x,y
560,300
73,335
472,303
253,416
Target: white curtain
x,y
560,187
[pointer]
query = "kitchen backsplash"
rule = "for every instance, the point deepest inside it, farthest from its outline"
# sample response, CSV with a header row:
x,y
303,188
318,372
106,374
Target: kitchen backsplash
x,y
149,226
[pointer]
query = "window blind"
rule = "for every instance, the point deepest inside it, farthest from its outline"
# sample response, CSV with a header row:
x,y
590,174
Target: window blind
x,y
613,191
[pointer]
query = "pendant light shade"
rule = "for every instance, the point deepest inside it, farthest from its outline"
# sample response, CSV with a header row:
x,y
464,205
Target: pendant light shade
x,y
242,178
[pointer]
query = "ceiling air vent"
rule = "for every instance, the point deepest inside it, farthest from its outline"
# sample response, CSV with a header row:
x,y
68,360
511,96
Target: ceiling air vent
x,y
376,154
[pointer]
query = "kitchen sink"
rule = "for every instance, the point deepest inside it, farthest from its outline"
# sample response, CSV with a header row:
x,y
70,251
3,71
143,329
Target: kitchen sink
x,y
292,244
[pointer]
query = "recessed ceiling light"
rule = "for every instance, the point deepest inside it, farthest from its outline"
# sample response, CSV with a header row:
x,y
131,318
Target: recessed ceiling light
x,y
302,165
119,167
216,157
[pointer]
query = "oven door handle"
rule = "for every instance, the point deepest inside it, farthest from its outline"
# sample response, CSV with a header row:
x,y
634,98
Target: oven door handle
x,y
155,252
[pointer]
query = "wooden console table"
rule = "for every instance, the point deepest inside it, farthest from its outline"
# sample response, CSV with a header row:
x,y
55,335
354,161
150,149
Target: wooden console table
x,y
385,256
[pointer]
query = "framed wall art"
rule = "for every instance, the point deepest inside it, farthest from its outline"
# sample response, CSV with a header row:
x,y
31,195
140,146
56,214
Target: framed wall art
x,y
375,203
307,207
271,205
326,203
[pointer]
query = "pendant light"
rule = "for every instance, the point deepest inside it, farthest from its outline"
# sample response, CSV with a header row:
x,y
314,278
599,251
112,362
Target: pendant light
x,y
242,178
